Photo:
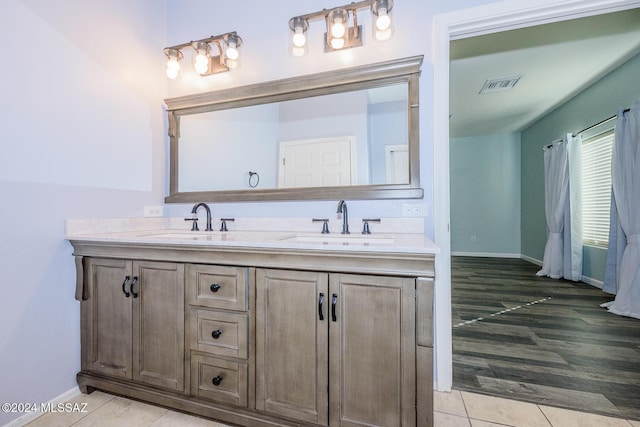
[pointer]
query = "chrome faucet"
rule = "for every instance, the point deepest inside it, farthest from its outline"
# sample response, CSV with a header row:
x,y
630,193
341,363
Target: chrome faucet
x,y
342,209
194,217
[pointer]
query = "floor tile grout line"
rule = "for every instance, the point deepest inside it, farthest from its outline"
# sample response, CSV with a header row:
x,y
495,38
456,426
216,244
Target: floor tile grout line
x,y
468,322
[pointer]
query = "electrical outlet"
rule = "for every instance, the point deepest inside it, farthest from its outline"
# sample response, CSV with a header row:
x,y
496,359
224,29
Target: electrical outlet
x,y
153,211
414,209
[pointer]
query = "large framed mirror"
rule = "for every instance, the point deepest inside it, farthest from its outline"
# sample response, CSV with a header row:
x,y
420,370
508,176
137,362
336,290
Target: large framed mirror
x,y
346,134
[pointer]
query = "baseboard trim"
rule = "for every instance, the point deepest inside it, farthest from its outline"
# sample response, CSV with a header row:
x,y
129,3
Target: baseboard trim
x,y
28,417
485,254
531,260
593,282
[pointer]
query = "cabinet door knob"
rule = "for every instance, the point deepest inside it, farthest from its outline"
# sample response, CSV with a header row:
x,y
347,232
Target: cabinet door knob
x,y
216,380
133,282
215,287
124,287
216,334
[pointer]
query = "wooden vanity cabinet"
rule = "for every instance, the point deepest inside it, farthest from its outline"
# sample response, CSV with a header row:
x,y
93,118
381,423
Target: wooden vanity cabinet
x,y
133,324
336,349
260,337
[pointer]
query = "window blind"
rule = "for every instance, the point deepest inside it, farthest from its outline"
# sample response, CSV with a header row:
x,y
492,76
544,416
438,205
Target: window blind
x,y
596,188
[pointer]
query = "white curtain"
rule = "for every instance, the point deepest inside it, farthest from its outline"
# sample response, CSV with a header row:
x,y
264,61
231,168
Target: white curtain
x,y
623,261
563,251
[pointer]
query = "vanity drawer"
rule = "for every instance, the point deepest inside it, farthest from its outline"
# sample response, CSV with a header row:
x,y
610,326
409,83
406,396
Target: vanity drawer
x,y
217,286
219,380
215,332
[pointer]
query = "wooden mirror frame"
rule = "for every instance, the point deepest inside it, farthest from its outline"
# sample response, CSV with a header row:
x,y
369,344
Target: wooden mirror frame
x,y
405,70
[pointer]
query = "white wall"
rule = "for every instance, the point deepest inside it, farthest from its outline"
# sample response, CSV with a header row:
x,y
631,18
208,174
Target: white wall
x,y
82,136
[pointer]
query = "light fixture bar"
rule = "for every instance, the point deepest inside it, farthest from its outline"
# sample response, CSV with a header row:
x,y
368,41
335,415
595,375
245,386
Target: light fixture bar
x,y
206,62
342,29
351,6
207,40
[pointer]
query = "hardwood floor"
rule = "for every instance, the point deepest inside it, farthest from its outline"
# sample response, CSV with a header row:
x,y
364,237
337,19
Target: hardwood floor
x,y
523,337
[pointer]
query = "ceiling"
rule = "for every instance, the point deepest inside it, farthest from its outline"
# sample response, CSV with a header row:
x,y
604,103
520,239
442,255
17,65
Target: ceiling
x,y
555,61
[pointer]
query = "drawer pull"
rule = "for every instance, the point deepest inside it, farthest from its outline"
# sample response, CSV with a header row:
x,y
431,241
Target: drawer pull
x,y
216,334
216,380
124,287
215,287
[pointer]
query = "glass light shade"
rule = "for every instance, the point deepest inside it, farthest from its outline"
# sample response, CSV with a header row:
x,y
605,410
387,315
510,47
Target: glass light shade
x,y
201,60
338,22
231,52
298,26
173,62
232,64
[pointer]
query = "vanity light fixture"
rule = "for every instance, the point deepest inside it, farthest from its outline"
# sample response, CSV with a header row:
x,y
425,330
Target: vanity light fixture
x,y
340,33
205,62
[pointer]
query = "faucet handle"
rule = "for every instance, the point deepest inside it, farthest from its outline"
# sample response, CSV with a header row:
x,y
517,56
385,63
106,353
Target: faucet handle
x,y
194,225
365,228
325,225
223,226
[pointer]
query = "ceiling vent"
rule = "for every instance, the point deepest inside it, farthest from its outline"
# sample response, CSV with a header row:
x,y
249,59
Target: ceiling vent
x,y
498,85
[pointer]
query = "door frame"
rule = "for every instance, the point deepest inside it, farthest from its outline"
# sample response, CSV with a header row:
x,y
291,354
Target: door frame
x,y
491,18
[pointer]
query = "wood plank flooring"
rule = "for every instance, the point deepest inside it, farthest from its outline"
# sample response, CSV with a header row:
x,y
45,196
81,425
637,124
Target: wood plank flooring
x,y
530,338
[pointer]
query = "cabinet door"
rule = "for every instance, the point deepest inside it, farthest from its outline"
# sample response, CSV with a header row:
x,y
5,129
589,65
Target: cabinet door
x,y
372,351
107,339
158,324
291,344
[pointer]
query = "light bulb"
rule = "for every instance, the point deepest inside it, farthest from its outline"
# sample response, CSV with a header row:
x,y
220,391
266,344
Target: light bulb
x,y
202,59
337,43
232,52
299,39
297,51
172,73
383,21
232,64
173,64
201,67
338,29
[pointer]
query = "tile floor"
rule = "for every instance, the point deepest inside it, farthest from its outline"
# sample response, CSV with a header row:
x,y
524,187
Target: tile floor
x,y
455,409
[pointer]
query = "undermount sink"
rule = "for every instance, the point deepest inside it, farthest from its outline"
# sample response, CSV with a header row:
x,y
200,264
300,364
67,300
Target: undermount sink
x,y
340,239
192,235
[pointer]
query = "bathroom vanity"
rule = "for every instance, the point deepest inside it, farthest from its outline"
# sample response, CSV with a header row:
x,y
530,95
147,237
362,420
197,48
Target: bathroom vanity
x,y
261,328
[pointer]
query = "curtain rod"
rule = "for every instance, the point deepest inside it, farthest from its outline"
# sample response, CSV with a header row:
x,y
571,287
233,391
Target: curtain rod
x,y
599,123
588,128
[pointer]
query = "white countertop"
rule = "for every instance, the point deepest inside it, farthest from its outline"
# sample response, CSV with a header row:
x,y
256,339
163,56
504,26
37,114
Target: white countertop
x,y
165,231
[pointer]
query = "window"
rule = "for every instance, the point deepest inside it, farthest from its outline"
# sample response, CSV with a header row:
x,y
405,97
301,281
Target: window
x,y
596,188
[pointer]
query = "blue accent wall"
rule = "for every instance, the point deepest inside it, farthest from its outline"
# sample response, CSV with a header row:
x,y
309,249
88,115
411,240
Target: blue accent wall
x,y
601,100
485,194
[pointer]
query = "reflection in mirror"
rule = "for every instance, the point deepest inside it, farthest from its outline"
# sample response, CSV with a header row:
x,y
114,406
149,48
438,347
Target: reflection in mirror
x,y
352,138
344,134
